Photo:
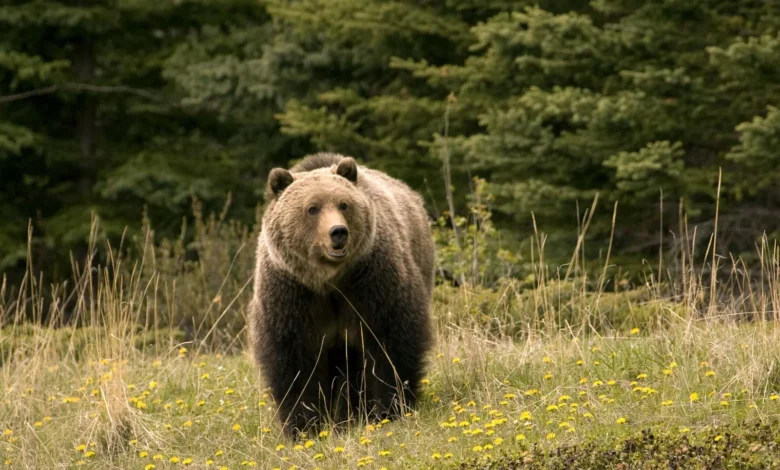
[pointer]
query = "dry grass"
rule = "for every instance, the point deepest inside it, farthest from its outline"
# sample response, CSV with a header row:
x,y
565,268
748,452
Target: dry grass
x,y
112,381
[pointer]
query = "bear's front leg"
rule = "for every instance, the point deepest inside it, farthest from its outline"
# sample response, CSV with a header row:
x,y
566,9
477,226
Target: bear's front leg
x,y
394,368
292,358
295,374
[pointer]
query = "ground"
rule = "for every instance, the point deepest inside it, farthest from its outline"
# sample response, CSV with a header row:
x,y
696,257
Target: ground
x,y
701,395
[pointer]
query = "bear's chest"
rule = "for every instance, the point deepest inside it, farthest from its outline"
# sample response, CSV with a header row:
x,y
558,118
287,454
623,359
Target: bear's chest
x,y
335,320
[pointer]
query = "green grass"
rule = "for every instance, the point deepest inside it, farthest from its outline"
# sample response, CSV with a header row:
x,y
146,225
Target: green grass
x,y
140,363
487,402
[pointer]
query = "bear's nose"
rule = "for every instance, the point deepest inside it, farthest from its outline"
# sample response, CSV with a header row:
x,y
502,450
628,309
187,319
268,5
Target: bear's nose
x,y
338,236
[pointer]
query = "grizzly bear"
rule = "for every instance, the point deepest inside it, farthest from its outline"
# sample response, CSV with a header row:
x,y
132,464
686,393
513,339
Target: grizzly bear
x,y
340,319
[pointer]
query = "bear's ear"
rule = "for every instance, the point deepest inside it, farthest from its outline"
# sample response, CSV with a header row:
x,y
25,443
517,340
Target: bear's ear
x,y
278,180
347,168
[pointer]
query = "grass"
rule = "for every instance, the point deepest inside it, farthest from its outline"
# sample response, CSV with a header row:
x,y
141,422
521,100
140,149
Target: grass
x,y
139,363
485,400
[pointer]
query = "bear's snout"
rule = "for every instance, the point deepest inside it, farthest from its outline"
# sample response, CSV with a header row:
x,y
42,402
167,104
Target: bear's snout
x,y
338,236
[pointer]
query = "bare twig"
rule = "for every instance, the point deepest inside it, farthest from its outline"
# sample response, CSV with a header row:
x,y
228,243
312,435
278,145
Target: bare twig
x,y
78,87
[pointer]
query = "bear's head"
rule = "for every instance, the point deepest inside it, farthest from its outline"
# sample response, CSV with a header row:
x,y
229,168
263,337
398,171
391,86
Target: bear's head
x,y
317,222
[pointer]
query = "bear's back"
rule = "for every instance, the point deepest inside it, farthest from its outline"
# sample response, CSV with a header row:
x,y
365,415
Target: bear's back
x,y
402,211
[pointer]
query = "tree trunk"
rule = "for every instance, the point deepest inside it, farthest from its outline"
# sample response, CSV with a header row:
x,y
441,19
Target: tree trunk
x,y
84,72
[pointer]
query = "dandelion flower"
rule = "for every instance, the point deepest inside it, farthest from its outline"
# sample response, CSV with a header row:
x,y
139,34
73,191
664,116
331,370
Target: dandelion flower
x,y
634,331
550,436
280,447
694,397
236,427
323,433
151,466
621,420
173,460
186,461
456,360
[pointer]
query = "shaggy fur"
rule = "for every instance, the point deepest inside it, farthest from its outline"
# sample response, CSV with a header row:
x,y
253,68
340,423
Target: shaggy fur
x,y
336,338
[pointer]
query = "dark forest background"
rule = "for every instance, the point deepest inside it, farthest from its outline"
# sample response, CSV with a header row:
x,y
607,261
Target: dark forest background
x,y
133,109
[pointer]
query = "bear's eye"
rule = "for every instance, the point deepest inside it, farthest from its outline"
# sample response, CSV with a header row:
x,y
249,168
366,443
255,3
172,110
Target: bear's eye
x,y
343,206
313,210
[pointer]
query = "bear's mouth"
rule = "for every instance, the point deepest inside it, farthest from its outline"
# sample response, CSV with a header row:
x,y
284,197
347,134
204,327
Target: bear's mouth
x,y
336,254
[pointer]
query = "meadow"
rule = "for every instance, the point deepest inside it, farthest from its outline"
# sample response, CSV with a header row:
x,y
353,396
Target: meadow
x,y
560,370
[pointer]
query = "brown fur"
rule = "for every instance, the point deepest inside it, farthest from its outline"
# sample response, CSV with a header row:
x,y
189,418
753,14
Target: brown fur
x,y
336,337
